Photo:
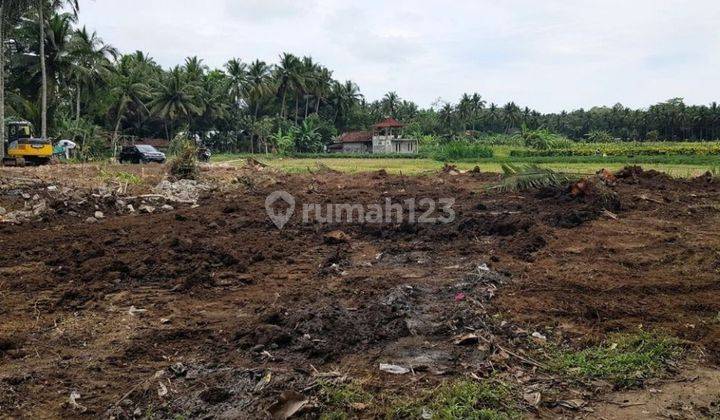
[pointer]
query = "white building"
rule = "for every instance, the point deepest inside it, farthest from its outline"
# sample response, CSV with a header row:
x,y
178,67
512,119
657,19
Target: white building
x,y
386,137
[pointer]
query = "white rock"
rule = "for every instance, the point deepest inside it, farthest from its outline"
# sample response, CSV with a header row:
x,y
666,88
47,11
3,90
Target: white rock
x,y
394,369
99,215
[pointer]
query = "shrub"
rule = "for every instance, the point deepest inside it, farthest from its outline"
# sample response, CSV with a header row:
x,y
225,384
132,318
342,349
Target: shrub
x,y
599,136
542,139
653,135
184,164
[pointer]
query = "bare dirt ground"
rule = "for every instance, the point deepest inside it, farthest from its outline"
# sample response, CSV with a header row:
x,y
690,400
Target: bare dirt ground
x,y
201,307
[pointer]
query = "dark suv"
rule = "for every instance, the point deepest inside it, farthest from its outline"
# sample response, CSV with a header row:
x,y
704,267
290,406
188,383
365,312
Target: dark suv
x,y
141,153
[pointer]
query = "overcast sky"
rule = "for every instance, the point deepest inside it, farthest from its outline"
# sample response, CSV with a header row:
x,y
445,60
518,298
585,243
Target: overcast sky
x,y
548,54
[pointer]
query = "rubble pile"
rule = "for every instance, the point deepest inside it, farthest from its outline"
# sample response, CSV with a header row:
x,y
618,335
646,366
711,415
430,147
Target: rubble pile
x,y
30,200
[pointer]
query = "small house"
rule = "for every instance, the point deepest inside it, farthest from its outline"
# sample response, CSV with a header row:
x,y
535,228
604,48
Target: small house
x,y
385,137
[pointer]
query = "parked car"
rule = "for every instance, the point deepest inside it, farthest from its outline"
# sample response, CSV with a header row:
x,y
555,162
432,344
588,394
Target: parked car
x,y
141,153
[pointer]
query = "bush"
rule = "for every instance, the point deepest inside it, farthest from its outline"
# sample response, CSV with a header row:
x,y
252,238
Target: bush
x,y
307,137
184,164
653,135
599,136
543,139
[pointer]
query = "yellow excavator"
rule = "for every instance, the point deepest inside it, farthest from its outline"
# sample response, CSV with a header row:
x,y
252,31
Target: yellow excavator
x,y
22,148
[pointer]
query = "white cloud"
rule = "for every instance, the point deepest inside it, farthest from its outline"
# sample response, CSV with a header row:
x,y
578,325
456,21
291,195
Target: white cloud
x,y
549,55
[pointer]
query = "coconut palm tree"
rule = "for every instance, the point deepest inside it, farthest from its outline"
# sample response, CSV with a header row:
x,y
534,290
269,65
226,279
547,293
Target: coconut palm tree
x,y
288,74
128,88
345,98
322,86
390,103
91,62
175,98
258,83
237,72
10,10
48,8
309,75
195,69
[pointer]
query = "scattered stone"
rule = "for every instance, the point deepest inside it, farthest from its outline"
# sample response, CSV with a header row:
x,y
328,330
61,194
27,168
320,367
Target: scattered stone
x,y
52,188
147,209
167,207
99,215
91,220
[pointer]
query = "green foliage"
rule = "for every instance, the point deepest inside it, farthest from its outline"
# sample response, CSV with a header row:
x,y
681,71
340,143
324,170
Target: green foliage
x,y
178,144
339,397
502,140
542,139
599,136
120,176
624,359
284,142
184,164
307,137
134,96
528,177
627,149
455,150
462,399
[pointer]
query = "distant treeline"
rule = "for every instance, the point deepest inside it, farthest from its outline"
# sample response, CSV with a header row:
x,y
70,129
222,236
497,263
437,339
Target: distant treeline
x,y
85,89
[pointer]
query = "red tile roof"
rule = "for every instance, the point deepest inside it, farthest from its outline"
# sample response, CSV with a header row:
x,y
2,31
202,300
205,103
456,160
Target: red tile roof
x,y
356,137
389,123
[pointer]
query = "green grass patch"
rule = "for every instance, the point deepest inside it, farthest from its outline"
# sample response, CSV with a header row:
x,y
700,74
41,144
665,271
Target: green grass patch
x,y
338,399
458,150
461,399
120,176
626,360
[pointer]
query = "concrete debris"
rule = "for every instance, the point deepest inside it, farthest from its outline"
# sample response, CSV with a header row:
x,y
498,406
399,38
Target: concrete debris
x,y
183,191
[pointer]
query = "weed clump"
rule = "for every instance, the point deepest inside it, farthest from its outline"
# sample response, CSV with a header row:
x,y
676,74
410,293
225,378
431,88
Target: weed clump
x,y
184,164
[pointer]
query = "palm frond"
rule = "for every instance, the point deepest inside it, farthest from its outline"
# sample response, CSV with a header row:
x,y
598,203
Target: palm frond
x,y
530,177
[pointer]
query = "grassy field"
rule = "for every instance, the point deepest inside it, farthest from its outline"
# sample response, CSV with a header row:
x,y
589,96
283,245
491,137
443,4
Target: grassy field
x,y
686,168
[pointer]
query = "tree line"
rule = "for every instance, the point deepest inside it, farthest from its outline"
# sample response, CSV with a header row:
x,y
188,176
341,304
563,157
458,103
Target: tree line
x,y
71,84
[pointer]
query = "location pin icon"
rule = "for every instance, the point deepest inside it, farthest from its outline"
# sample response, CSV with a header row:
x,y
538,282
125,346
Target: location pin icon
x,y
278,217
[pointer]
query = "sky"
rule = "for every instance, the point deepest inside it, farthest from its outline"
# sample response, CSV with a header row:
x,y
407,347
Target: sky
x,y
550,55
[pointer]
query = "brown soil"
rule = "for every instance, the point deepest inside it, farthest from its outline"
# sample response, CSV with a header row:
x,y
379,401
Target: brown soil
x,y
213,311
